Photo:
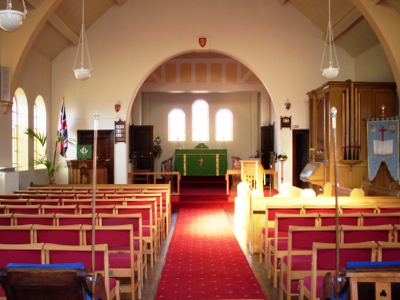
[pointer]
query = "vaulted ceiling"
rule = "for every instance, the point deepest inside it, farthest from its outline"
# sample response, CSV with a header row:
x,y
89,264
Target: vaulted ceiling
x,y
352,32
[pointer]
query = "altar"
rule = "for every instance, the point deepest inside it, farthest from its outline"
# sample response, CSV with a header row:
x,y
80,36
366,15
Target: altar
x,y
201,162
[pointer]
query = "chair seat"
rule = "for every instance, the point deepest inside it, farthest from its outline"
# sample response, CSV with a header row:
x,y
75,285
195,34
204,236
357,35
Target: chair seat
x,y
120,260
320,281
299,262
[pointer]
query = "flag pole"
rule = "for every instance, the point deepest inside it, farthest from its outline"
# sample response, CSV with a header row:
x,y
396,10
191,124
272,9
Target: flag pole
x,y
334,115
96,121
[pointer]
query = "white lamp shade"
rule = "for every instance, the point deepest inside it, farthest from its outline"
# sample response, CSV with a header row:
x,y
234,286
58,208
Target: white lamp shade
x,y
11,19
82,74
330,73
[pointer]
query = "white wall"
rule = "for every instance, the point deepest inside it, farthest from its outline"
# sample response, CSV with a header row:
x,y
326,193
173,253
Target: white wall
x,y
275,41
373,65
158,105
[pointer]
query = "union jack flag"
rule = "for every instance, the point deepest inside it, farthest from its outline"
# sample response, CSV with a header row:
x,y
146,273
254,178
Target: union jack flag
x,y
62,131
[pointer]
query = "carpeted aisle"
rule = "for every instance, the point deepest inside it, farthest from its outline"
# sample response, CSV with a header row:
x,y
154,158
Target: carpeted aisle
x,y
204,260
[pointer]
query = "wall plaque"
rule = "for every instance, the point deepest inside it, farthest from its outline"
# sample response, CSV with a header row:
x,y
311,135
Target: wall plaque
x,y
286,122
120,132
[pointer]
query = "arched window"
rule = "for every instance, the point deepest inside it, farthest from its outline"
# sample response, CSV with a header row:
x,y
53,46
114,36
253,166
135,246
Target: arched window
x,y
176,125
200,121
20,128
39,123
14,135
224,125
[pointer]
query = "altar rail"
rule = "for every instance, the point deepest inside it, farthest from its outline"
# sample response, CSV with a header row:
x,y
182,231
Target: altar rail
x,y
256,218
132,176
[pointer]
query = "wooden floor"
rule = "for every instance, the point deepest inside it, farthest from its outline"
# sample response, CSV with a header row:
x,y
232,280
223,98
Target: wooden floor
x,y
151,284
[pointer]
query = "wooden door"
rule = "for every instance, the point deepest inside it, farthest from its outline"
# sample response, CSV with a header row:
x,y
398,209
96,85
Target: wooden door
x,y
141,147
105,147
267,144
300,155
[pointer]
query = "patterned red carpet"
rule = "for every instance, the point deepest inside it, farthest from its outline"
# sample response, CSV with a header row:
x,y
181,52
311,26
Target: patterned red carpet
x,y
204,260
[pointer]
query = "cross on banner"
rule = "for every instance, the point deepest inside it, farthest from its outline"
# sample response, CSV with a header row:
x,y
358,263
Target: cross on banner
x,y
383,132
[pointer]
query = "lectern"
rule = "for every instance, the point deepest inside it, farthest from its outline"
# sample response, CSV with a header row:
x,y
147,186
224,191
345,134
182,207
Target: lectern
x,y
80,171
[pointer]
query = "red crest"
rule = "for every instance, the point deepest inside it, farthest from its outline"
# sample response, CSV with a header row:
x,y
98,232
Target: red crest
x,y
117,106
202,42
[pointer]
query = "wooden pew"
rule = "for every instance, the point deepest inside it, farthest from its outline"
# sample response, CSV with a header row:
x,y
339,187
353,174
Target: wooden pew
x,y
374,190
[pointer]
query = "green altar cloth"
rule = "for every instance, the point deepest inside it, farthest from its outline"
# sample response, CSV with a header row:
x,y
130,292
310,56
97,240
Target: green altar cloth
x,y
201,162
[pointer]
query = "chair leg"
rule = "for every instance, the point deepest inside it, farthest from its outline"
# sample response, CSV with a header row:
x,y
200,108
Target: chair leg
x,y
275,271
268,262
301,289
260,252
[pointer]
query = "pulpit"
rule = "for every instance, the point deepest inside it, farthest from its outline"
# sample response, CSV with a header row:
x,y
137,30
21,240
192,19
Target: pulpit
x,y
80,171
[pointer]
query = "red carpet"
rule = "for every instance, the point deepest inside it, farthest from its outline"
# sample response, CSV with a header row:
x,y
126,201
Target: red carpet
x,y
204,260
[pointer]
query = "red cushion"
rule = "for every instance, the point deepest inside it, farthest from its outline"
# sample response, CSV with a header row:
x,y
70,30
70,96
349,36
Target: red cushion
x,y
299,262
320,281
120,260
113,283
282,244
295,285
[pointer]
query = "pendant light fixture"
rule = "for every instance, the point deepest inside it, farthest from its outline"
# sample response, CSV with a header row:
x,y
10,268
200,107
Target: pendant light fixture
x,y
82,73
331,72
11,19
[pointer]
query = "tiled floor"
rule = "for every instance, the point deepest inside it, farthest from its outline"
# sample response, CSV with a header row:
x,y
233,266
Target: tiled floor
x,y
151,284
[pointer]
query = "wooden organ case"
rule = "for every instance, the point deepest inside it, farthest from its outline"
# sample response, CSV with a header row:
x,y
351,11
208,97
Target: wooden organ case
x,y
355,102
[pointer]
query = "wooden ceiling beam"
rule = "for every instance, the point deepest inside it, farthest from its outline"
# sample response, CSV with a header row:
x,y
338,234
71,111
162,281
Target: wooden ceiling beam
x,y
281,1
353,16
121,2
59,24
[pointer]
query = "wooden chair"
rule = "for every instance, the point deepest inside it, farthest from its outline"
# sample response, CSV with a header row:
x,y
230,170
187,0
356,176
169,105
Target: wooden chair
x,y
21,234
312,208
278,246
6,219
359,234
136,221
396,229
369,219
344,219
159,215
388,251
14,201
122,257
2,209
76,202
297,264
62,235
388,208
149,228
87,209
66,219
346,209
267,233
62,209
54,202
324,260
60,254
24,219
19,209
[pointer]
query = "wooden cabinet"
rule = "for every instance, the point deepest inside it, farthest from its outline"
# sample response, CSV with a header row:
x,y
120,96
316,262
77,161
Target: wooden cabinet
x,y
141,147
355,102
80,171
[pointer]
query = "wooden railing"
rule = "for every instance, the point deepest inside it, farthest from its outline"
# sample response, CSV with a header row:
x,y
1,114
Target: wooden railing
x,y
133,176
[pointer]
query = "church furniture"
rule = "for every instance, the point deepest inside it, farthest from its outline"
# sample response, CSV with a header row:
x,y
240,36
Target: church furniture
x,y
16,234
329,219
23,209
232,173
14,201
67,219
24,219
358,234
6,220
374,190
323,261
123,262
167,166
355,102
353,208
369,219
297,264
201,162
277,247
315,208
329,191
61,235
388,251
80,171
388,208
60,254
382,274
106,209
153,175
61,209
50,202
236,165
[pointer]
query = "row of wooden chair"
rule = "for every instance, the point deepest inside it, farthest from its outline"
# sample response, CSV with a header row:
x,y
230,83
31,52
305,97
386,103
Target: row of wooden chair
x,y
324,260
275,242
61,254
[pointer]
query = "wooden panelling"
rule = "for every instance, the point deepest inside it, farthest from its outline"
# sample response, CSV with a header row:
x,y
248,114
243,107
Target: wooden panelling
x,y
231,72
170,73
201,73
186,73
216,73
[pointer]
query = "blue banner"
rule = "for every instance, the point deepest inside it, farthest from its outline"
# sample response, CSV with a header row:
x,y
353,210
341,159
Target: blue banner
x,y
383,146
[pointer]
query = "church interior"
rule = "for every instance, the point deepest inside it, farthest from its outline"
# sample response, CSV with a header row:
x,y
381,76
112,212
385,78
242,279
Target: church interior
x,y
205,144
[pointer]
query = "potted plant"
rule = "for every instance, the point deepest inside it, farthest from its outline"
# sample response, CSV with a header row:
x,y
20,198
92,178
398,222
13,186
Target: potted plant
x,y
157,147
282,157
52,169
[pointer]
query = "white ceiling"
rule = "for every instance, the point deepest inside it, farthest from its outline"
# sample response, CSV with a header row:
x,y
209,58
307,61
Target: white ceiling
x,y
352,32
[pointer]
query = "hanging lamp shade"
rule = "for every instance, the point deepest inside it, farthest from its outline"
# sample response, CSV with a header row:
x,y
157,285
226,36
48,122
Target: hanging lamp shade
x,y
11,19
332,70
84,71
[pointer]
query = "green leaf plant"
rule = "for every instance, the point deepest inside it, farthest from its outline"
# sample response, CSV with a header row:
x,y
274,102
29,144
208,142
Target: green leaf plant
x,y
42,159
